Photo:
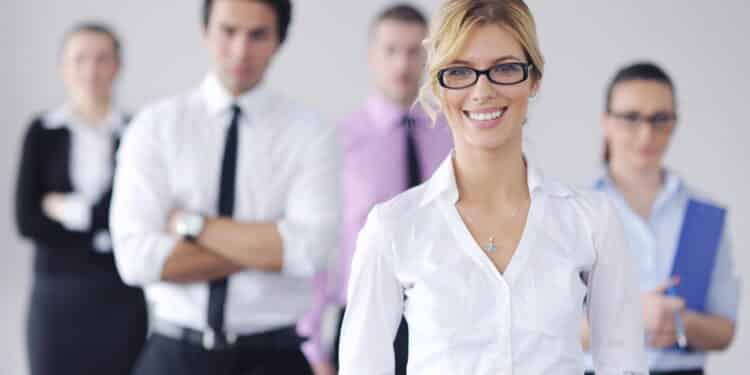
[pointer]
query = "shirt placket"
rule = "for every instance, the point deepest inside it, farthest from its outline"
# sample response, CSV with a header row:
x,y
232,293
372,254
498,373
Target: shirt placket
x,y
499,357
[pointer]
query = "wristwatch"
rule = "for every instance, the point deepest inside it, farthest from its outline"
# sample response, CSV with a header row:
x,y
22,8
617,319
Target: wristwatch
x,y
190,225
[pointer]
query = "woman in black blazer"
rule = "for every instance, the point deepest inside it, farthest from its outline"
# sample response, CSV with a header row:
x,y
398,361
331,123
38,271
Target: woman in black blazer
x,y
82,319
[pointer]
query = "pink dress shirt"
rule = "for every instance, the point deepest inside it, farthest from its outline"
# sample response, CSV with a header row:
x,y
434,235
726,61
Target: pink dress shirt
x,y
374,170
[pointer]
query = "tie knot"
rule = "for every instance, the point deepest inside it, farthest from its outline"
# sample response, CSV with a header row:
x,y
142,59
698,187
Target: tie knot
x,y
408,122
236,110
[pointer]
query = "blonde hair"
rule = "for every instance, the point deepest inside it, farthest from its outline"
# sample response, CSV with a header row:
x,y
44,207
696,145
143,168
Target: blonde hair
x,y
452,27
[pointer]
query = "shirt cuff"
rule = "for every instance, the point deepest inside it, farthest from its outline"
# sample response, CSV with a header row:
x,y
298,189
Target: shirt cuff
x,y
294,260
102,242
76,213
313,351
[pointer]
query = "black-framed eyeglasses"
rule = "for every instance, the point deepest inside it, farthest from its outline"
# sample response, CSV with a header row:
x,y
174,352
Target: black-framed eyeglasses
x,y
658,121
461,77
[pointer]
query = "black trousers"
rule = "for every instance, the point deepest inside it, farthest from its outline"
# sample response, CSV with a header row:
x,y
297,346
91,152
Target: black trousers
x,y
164,355
400,345
84,324
681,372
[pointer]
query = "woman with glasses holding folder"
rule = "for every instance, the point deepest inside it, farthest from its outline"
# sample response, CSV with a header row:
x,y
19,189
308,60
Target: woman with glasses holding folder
x,y
677,236
82,319
490,261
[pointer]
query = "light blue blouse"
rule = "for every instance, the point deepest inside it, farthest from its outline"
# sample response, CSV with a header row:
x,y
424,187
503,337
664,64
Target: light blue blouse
x,y
653,243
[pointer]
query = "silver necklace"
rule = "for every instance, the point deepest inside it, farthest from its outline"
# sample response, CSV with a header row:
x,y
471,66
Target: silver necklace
x,y
490,247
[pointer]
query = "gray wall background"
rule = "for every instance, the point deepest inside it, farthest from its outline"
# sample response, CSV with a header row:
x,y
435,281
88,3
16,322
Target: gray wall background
x,y
702,44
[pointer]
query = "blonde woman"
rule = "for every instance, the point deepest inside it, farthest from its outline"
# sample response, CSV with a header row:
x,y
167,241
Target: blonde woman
x,y
490,261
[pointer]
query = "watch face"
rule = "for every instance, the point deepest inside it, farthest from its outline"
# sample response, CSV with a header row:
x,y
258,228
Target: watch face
x,y
180,227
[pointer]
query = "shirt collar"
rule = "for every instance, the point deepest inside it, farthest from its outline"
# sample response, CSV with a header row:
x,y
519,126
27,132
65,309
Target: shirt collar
x,y
388,115
443,185
672,184
64,116
219,100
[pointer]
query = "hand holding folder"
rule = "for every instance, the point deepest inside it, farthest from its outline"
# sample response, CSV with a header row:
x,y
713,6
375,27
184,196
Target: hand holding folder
x,y
662,315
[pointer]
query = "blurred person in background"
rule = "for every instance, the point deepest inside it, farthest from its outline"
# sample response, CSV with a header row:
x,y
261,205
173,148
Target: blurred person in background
x,y
389,146
82,318
226,206
639,120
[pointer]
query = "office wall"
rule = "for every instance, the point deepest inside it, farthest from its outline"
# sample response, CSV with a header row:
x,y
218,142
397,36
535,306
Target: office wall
x,y
323,64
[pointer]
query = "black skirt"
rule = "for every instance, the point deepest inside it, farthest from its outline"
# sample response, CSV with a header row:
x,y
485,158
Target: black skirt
x,y
84,324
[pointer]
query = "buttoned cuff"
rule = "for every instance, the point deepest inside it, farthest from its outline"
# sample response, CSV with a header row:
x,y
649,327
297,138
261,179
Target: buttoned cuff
x,y
75,214
313,351
296,261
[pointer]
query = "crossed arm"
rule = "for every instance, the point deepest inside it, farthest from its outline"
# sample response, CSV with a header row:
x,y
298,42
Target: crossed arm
x,y
224,247
147,251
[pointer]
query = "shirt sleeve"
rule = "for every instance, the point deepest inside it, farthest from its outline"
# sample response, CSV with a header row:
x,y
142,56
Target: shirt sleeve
x,y
141,204
76,213
724,291
31,220
311,324
614,305
309,227
375,306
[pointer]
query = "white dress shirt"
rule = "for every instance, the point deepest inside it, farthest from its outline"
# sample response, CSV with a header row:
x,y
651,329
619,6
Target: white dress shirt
x,y
653,243
90,166
287,173
415,256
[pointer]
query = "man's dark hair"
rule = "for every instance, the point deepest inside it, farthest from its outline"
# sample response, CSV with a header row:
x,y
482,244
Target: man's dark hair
x,y
400,12
283,9
99,28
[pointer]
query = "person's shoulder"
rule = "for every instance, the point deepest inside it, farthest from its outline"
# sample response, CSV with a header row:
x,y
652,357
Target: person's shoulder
x,y
587,201
588,198
355,118
701,196
37,122
284,110
162,115
354,128
169,105
44,123
279,104
400,210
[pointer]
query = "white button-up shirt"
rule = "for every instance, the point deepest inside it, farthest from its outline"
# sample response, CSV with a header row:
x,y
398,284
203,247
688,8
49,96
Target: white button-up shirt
x,y
653,243
287,173
415,256
90,162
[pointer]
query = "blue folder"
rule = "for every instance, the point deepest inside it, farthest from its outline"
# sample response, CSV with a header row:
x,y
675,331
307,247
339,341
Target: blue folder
x,y
694,260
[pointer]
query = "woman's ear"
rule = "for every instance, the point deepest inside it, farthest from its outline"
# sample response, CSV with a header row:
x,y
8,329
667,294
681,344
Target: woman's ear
x,y
535,88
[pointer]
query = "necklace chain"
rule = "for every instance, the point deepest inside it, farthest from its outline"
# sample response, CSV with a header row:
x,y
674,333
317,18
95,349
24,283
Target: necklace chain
x,y
491,246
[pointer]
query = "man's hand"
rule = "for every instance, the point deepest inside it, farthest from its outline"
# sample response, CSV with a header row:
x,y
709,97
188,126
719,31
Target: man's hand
x,y
658,313
323,368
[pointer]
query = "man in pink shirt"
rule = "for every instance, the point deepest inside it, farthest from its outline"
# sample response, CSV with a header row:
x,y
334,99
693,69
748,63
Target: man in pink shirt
x,y
390,145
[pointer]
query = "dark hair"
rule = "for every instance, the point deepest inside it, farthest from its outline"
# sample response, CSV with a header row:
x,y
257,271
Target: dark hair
x,y
640,71
99,28
283,9
400,12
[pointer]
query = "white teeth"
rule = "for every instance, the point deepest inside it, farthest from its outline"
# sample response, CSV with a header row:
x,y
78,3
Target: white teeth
x,y
485,116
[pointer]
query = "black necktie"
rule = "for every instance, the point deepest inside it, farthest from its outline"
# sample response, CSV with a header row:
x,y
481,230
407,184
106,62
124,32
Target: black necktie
x,y
413,171
218,288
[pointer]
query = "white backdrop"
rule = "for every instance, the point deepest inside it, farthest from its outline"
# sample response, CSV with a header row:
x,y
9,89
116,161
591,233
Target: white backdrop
x,y
702,44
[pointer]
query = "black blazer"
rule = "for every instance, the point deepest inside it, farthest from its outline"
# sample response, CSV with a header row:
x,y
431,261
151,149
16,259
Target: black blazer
x,y
45,168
